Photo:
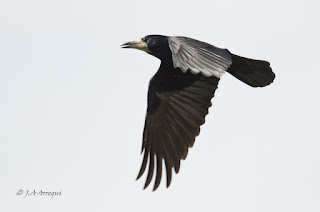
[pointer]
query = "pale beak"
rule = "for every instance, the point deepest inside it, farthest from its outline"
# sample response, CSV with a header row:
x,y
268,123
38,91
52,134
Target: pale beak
x,y
137,44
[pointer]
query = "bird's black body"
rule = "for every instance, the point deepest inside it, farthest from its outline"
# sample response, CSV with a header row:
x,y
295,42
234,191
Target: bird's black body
x,y
167,79
180,95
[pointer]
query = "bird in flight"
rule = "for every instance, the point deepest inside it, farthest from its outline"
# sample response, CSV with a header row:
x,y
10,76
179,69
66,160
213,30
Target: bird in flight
x,y
180,95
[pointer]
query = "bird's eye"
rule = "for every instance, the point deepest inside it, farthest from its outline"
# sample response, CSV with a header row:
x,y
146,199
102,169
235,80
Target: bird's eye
x,y
143,39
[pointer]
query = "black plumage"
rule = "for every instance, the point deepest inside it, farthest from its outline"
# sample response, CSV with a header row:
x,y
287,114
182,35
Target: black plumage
x,y
180,94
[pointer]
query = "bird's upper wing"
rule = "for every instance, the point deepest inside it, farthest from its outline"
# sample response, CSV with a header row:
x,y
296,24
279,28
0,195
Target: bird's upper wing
x,y
177,105
199,57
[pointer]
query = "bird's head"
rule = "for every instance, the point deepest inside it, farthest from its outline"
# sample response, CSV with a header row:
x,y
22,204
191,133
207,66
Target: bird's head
x,y
156,45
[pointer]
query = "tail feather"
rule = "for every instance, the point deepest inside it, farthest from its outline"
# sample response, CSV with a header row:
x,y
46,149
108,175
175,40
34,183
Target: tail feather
x,y
256,73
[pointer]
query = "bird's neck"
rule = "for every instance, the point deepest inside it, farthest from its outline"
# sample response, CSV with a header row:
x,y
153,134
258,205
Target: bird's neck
x,y
167,63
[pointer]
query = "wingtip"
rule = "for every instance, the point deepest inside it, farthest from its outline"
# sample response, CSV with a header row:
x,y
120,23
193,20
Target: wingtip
x,y
155,188
138,177
168,183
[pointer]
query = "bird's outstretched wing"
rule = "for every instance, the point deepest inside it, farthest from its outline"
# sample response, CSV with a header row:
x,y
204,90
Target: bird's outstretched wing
x,y
199,57
177,105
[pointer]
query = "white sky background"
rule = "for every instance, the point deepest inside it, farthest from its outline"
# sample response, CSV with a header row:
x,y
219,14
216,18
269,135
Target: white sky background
x,y
72,107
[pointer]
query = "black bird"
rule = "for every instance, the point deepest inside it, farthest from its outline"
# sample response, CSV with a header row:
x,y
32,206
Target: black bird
x,y
180,94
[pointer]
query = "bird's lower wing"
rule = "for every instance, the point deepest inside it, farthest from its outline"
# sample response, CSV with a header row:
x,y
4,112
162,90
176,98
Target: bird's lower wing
x,y
171,129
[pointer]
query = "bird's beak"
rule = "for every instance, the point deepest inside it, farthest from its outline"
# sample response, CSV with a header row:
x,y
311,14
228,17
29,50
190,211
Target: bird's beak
x,y
137,44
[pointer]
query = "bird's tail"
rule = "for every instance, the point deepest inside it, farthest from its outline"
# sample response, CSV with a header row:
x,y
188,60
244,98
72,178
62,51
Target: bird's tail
x,y
256,73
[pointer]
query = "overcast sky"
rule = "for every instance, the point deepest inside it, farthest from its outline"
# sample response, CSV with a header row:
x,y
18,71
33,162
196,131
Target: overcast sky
x,y
73,103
